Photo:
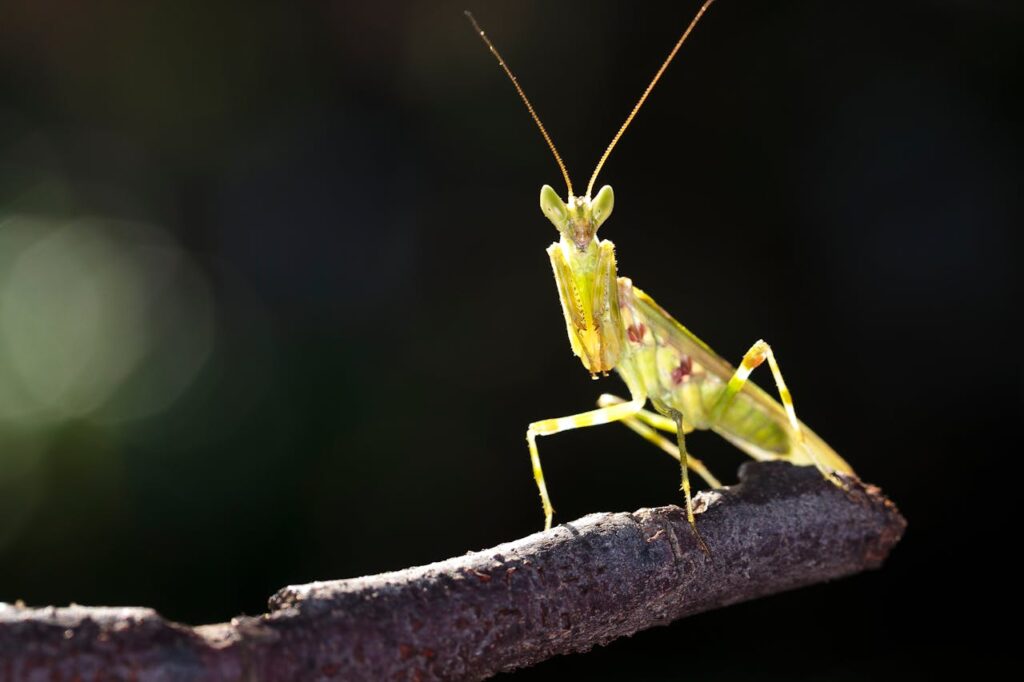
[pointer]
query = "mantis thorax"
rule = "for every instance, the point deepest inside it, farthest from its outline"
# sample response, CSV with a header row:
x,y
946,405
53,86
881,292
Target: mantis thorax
x,y
585,273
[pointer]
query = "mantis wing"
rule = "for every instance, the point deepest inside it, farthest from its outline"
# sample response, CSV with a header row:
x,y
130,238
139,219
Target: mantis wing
x,y
711,373
669,332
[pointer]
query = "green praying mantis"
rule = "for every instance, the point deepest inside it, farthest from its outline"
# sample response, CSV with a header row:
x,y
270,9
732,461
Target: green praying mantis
x,y
613,325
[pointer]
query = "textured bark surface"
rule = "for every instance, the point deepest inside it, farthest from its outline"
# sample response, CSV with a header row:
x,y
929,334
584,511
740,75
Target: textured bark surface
x,y
583,583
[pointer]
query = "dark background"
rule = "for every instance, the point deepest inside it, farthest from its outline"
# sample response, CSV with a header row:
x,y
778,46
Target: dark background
x,y
327,367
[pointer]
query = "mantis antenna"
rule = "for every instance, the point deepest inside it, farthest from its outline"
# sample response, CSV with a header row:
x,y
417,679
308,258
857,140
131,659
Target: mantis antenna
x,y
529,107
643,97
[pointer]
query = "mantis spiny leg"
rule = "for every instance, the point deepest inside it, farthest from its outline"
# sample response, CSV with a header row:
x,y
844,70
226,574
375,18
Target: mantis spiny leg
x,y
547,427
758,353
639,425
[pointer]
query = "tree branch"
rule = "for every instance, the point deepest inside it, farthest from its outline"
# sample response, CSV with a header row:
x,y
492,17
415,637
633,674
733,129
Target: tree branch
x,y
583,583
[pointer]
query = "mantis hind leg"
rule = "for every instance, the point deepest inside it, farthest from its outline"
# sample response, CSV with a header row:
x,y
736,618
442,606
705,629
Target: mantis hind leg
x,y
641,424
547,427
753,358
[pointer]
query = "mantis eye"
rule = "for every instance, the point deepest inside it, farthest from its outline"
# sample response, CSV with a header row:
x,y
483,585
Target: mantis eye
x,y
601,206
553,207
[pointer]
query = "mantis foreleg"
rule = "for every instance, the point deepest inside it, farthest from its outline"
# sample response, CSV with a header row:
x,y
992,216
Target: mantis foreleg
x,y
547,427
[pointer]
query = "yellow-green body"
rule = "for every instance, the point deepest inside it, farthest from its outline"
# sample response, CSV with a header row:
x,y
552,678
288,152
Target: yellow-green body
x,y
613,326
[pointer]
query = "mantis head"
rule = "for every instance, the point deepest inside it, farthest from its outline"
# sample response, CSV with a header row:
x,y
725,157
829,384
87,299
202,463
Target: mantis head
x,y
578,220
584,268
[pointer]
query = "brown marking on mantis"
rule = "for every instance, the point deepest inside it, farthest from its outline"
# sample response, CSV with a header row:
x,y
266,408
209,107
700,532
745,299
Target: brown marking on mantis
x,y
635,332
752,361
684,370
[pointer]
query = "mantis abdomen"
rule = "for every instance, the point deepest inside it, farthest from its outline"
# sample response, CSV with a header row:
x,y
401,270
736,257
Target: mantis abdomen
x,y
679,372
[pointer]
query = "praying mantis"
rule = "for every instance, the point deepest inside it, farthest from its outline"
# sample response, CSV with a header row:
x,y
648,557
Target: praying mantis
x,y
613,325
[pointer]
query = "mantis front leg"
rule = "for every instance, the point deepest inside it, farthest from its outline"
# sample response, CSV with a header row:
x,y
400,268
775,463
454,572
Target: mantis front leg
x,y
547,427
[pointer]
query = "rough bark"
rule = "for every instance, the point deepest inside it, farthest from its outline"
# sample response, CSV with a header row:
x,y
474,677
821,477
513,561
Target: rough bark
x,y
583,583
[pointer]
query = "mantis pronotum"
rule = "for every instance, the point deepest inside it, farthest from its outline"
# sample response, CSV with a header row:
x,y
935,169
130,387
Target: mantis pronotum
x,y
613,325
